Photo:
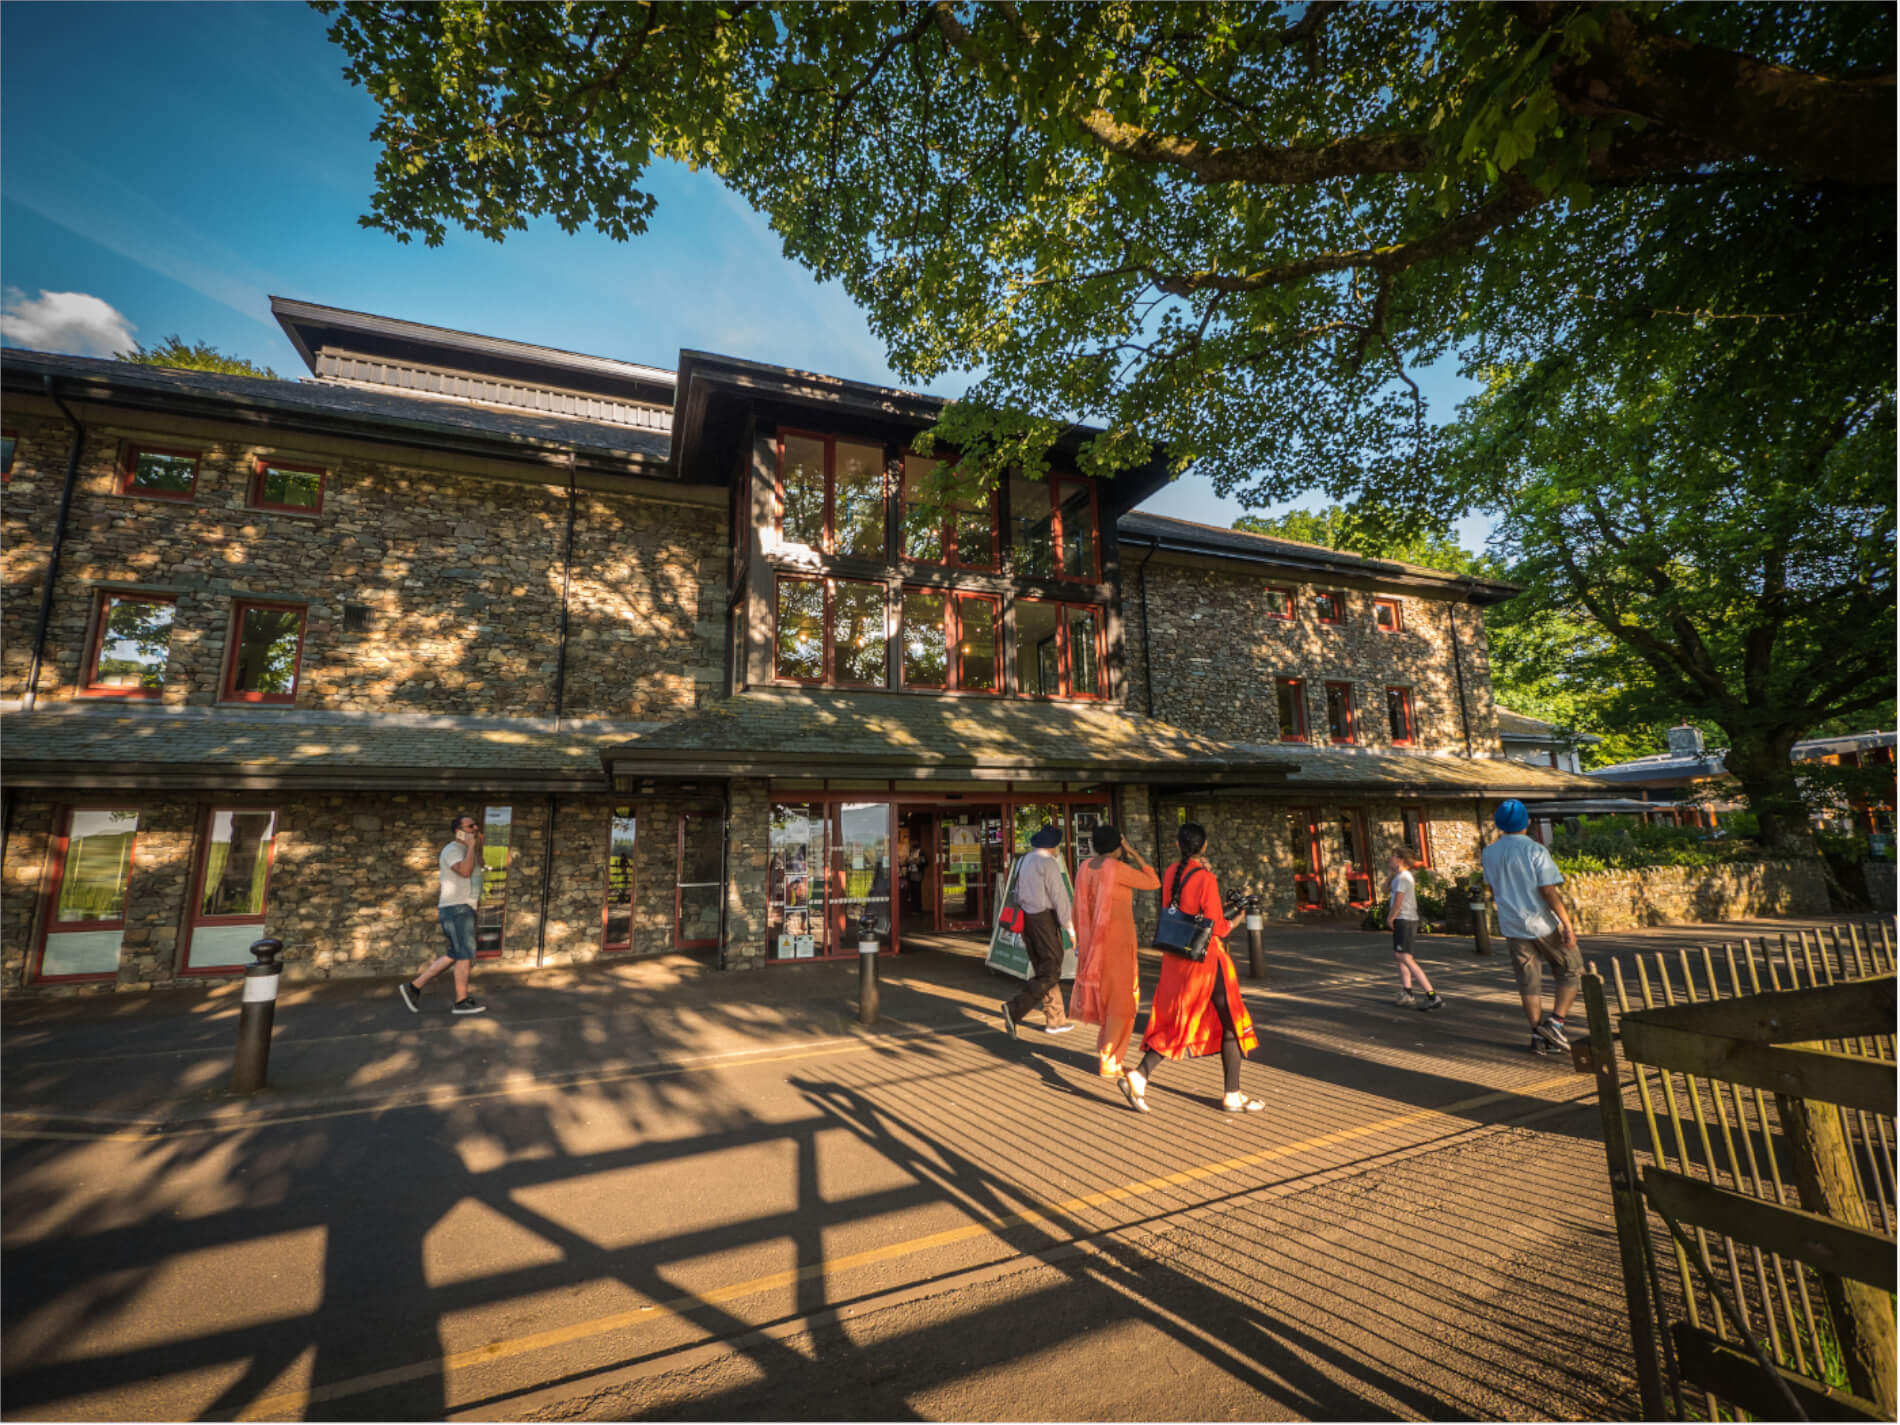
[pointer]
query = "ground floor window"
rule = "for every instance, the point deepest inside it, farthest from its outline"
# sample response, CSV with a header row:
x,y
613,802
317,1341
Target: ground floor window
x,y
84,927
1309,865
616,916
1357,851
1418,835
233,888
795,882
699,886
491,916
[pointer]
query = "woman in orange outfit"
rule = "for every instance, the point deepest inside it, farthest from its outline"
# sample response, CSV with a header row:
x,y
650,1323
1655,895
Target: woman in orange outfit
x,y
1107,992
1197,1008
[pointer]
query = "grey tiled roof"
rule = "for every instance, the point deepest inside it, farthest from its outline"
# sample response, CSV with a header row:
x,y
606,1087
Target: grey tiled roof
x,y
1513,724
392,412
1373,769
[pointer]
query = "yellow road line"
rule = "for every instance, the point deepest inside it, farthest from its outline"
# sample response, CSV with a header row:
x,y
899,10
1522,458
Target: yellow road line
x,y
299,1401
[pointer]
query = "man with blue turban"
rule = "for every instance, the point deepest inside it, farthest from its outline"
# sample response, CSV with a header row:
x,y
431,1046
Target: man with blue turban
x,y
1523,878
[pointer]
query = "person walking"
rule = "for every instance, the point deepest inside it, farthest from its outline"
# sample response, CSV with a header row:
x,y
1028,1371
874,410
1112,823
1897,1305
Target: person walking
x,y
460,864
1197,1008
1402,916
1523,878
1107,990
1043,895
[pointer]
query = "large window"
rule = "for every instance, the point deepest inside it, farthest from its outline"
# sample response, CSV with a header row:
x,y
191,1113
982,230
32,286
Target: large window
x,y
1356,852
831,494
1399,717
699,886
266,653
232,892
297,488
158,474
491,916
616,916
979,649
84,927
1309,863
949,640
796,908
948,518
131,647
831,631
1339,720
1058,650
1053,528
1290,695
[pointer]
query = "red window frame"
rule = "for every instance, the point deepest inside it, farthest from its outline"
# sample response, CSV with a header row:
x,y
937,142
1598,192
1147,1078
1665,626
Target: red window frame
x,y
1065,668
8,433
949,527
829,542
1411,722
129,454
195,918
1094,573
257,500
1329,599
1344,692
617,947
88,687
1285,611
679,886
951,630
1411,822
828,674
1398,615
229,691
55,878
1309,884
1298,685
945,623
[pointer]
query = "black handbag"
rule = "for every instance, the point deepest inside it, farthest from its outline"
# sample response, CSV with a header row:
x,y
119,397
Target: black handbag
x,y
1177,932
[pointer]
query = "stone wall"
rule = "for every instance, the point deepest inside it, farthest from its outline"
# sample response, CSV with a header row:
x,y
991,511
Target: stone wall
x,y
460,576
1605,901
1220,651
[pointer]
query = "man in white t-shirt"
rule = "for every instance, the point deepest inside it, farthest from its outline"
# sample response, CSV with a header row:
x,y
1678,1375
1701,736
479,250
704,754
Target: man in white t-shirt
x,y
1523,878
460,865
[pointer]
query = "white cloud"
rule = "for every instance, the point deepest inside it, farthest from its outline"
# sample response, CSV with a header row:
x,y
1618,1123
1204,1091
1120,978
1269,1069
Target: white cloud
x,y
74,322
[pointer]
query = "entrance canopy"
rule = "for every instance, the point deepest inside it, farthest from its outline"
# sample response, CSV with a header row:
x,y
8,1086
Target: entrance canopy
x,y
791,734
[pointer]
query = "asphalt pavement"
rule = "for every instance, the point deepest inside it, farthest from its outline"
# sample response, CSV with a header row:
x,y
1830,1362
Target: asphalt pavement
x,y
651,1190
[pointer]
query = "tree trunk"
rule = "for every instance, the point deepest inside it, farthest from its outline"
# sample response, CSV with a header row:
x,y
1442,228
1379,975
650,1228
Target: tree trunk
x,y
1761,763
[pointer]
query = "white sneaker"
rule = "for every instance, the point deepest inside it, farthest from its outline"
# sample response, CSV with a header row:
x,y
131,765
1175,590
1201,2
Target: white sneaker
x,y
1405,999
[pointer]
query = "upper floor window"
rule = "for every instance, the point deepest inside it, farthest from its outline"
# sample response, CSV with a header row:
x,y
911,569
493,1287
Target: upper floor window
x,y
1058,649
297,488
1398,716
1053,528
1329,606
831,494
266,653
1280,603
158,474
949,641
1290,694
1339,712
132,646
1389,614
831,631
8,440
948,518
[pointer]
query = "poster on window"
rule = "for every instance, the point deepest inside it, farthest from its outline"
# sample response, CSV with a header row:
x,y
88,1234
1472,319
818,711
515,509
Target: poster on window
x,y
1008,953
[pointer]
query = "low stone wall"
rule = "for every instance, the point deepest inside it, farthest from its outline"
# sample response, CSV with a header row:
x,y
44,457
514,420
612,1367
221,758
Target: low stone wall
x,y
1681,895
1880,884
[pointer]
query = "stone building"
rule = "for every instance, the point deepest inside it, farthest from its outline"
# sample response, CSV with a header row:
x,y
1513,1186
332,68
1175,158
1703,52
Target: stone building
x,y
724,666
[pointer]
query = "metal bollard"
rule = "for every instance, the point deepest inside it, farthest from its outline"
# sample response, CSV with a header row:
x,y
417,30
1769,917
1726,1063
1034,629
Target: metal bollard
x,y
868,949
255,1016
1256,940
1480,919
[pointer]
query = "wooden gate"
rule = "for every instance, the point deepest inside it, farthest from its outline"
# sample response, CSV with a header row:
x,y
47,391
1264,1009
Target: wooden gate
x,y
1751,1161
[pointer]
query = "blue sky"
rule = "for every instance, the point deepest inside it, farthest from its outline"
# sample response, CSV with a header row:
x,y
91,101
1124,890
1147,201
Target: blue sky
x,y
167,167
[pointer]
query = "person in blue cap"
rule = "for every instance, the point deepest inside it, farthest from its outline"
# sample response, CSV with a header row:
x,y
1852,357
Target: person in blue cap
x,y
1523,878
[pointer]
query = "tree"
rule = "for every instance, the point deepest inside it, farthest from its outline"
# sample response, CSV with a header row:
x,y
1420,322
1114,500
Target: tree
x,y
198,356
1355,531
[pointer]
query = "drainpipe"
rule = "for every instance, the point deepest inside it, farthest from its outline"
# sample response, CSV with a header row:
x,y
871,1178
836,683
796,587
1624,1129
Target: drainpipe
x,y
547,878
1458,670
567,576
52,557
1147,642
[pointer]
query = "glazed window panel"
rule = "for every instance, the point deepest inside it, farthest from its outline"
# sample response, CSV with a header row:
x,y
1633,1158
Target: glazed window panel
x,y
858,633
1417,833
923,517
1280,603
617,913
801,630
134,645
977,648
165,474
972,523
1038,649
268,642
491,916
1339,712
802,488
1388,615
288,487
700,889
1399,715
795,882
1085,652
925,639
1032,527
237,864
96,868
8,440
1329,606
1290,694
858,499
1076,507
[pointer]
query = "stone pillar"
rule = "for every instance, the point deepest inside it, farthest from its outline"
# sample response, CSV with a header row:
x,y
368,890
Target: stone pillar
x,y
748,832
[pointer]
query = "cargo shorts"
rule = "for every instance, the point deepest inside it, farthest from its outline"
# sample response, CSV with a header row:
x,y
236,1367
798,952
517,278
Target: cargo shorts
x,y
1528,958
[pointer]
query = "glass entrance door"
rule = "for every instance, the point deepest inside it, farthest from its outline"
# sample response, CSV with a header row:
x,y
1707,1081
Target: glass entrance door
x,y
969,857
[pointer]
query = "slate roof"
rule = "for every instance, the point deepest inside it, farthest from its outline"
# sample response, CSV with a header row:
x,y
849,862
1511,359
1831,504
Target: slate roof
x,y
394,414
134,748
1408,774
1517,725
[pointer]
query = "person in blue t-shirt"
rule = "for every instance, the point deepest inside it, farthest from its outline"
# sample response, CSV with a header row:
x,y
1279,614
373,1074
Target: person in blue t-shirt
x,y
1523,878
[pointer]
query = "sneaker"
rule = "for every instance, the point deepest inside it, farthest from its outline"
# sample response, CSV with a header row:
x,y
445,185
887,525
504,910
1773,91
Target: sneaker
x,y
1009,1020
410,998
1538,1046
1553,1031
1404,998
1432,1001
471,1005
1062,1028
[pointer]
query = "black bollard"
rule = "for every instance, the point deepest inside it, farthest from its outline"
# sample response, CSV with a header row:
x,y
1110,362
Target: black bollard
x,y
1256,940
255,1016
867,970
1480,917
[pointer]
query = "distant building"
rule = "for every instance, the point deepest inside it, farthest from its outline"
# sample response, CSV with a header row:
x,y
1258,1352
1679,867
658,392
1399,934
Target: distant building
x,y
1541,744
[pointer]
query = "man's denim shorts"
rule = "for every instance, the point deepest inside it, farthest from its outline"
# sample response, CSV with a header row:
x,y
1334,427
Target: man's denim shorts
x,y
458,923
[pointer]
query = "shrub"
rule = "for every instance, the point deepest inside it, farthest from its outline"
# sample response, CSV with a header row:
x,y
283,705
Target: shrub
x,y
1606,843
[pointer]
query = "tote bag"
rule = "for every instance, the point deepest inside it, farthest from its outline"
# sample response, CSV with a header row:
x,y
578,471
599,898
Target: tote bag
x,y
1177,932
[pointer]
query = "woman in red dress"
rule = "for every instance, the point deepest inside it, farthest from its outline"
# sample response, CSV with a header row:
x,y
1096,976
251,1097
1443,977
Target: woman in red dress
x,y
1197,1008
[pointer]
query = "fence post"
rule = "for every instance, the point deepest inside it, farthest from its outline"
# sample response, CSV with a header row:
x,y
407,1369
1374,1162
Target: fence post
x,y
255,1015
868,949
